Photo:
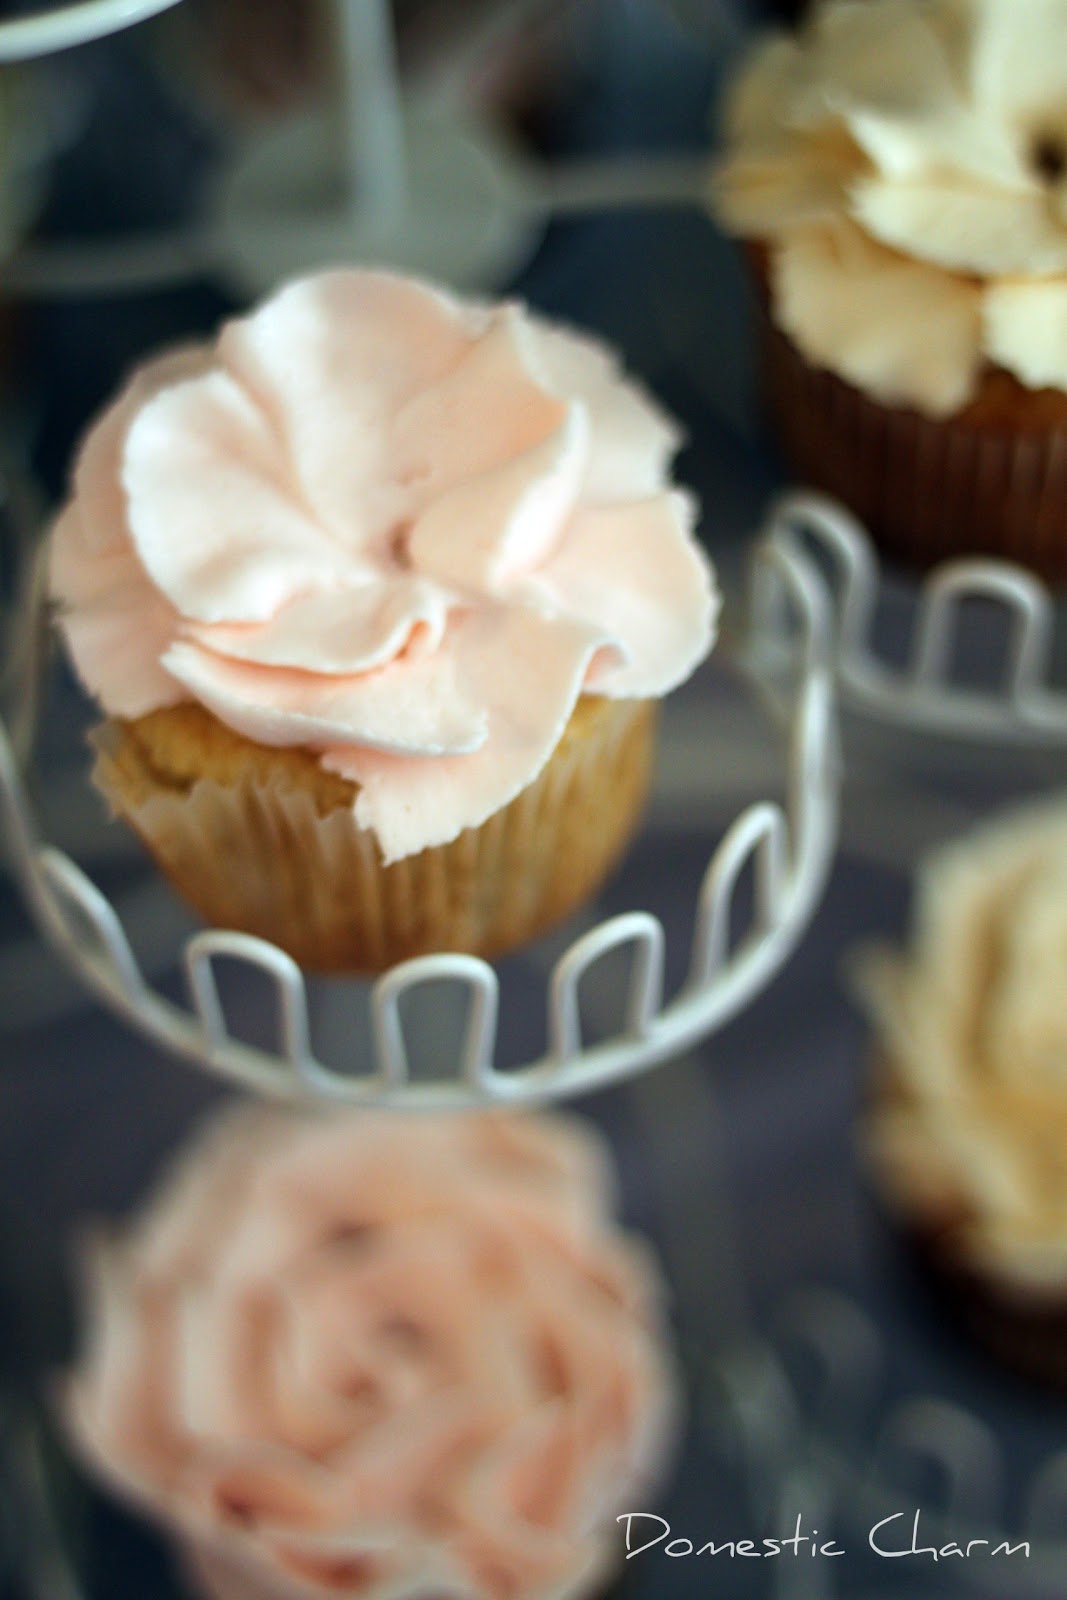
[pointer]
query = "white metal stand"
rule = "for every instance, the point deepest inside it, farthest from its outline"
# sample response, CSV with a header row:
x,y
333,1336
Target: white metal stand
x,y
790,851
923,697
62,27
407,178
838,1434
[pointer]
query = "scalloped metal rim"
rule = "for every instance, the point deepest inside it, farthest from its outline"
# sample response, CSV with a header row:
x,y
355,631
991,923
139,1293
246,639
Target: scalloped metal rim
x,y
1024,708
790,849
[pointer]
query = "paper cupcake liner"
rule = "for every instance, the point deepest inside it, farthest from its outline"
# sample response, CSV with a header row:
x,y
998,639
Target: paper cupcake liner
x,y
1025,1334
262,859
926,490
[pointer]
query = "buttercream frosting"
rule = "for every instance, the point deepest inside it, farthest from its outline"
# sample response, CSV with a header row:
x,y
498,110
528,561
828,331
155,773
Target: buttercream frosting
x,y
400,529
969,1128
380,1356
905,162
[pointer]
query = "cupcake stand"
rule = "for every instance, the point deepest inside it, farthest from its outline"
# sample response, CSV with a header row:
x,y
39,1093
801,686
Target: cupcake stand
x,y
858,1412
813,1407
415,178
789,851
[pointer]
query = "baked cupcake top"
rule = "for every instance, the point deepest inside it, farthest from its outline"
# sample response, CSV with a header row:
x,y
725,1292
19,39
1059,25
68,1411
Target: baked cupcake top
x,y
378,1355
400,529
968,1127
905,162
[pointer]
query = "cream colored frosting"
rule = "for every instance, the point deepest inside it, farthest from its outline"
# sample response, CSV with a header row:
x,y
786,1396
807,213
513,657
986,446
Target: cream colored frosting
x,y
971,1119
399,529
906,163
380,1356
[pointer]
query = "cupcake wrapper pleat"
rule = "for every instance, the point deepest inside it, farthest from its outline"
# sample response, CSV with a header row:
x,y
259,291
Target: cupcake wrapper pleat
x,y
261,859
927,490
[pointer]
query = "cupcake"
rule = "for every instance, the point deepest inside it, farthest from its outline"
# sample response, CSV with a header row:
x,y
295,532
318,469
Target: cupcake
x,y
966,1128
898,170
379,592
377,1357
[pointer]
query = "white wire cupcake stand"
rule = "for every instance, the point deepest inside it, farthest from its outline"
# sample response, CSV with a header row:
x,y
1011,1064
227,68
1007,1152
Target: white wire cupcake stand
x,y
401,175
61,27
820,1419
922,695
382,172
789,851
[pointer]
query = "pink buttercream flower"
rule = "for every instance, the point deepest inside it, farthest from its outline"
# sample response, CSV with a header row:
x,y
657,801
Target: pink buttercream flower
x,y
379,1357
398,529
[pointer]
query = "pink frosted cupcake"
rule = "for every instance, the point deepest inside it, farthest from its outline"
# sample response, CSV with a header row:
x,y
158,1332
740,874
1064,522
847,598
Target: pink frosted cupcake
x,y
379,592
377,1357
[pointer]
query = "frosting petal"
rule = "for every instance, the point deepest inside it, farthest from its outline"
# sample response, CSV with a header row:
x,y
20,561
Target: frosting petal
x,y
116,626
414,705
128,1362
206,517
776,75
631,441
659,609
119,647
485,530
529,671
889,60
1018,73
936,129
490,407
950,140
98,468
1026,331
890,325
337,631
978,230
329,360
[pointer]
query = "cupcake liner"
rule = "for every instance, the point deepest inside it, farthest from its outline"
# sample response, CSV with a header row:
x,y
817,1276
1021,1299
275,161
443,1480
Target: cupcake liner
x,y
926,490
256,857
1025,1334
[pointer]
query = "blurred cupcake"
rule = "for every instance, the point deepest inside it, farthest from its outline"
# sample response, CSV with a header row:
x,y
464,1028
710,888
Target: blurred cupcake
x,y
967,1125
899,169
379,592
377,1356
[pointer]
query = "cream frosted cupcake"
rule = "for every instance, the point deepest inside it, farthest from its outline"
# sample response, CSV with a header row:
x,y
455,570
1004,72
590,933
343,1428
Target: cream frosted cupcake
x,y
899,168
376,1356
967,1125
379,592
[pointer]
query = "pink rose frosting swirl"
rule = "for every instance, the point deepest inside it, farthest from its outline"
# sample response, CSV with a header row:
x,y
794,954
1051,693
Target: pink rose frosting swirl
x,y
399,529
383,1358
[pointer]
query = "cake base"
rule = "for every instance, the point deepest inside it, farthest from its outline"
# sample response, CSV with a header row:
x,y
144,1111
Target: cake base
x,y
265,841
